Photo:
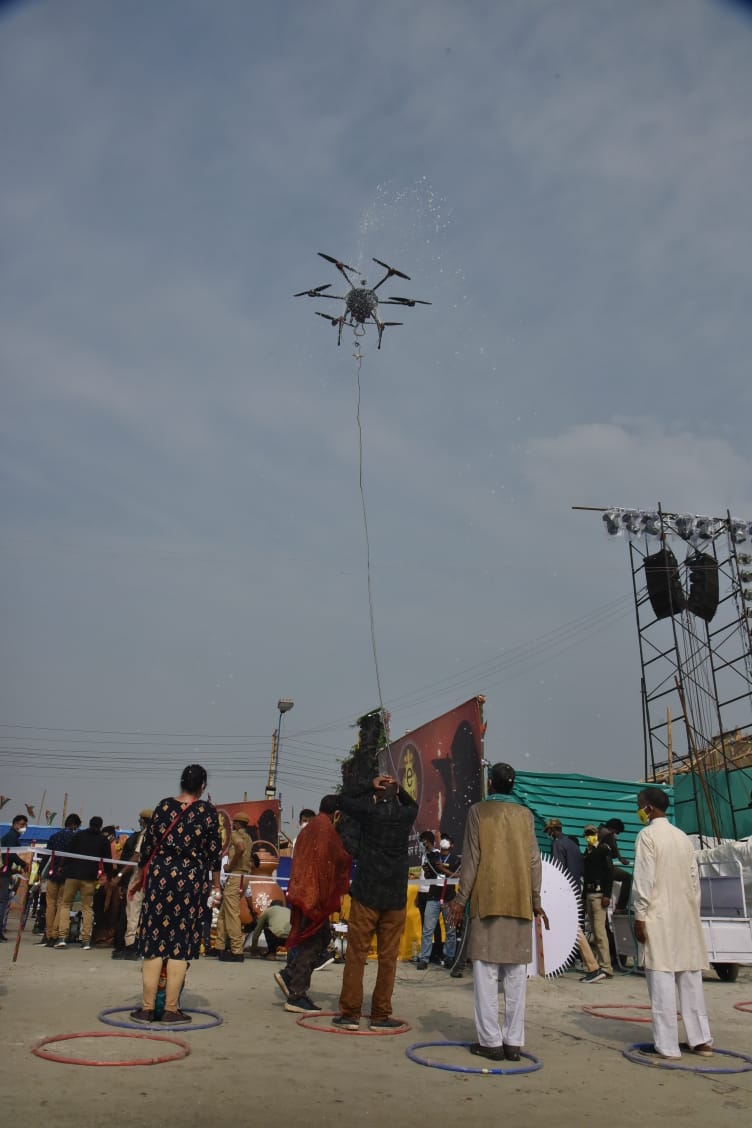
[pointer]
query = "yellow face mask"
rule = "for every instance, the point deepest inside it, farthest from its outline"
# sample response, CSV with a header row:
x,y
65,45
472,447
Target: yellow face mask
x,y
642,815
591,839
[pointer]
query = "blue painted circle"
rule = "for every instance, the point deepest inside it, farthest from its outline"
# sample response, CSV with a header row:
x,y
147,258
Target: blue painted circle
x,y
182,1028
633,1053
535,1063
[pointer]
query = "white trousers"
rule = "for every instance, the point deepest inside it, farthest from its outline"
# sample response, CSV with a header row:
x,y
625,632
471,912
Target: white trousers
x,y
486,999
662,989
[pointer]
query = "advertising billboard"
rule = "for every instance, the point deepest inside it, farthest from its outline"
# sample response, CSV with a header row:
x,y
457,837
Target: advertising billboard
x,y
441,765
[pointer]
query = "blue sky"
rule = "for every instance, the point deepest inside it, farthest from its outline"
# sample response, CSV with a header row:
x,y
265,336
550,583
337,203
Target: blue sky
x,y
182,532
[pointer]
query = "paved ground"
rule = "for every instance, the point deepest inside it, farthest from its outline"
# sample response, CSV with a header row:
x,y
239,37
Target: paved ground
x,y
259,1066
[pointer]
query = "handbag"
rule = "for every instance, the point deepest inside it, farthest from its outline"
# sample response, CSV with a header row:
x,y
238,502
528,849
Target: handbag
x,y
138,883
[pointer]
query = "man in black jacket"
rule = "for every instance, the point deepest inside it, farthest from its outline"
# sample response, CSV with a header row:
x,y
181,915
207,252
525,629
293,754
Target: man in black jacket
x,y
378,895
81,875
56,927
599,878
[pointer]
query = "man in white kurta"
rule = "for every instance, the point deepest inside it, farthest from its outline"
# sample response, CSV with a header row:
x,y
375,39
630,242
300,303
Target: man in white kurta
x,y
666,902
501,879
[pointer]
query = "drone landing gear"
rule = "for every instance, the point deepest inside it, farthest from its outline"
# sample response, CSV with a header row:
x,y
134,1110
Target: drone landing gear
x,y
382,325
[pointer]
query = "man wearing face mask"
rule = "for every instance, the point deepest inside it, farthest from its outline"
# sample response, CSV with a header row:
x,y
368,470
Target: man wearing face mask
x,y
599,877
443,865
666,902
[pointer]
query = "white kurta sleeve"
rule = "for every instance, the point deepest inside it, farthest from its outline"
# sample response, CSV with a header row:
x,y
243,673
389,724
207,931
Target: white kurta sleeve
x,y
643,878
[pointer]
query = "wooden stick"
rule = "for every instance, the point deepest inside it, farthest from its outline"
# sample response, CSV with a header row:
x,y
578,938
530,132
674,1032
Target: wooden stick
x,y
540,956
22,920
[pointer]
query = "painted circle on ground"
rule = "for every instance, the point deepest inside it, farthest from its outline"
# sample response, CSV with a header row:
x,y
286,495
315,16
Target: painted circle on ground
x,y
183,1027
39,1049
305,1020
638,1053
744,1006
512,1070
601,1010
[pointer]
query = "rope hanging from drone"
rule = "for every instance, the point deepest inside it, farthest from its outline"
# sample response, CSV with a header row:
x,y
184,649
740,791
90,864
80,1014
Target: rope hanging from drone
x,y
358,333
361,305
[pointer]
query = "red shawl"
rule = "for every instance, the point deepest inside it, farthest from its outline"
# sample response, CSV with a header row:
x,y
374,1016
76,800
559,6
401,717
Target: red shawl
x,y
319,878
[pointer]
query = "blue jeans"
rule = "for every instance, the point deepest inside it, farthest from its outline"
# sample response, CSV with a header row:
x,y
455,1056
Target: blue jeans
x,y
430,920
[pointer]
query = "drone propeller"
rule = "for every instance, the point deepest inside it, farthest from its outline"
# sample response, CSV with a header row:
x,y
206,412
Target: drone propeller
x,y
337,263
392,270
313,293
407,301
329,318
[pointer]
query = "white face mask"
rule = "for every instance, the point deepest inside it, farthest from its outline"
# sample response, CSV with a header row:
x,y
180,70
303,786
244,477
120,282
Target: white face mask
x,y
444,845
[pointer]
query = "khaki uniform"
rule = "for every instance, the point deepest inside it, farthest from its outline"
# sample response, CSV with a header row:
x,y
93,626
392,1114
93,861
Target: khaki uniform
x,y
228,921
133,906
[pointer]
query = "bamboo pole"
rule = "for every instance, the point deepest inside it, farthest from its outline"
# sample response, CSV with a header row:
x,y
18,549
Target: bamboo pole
x,y
670,747
40,809
65,808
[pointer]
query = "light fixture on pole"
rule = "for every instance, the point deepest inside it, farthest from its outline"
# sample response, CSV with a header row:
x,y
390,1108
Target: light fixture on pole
x,y
284,705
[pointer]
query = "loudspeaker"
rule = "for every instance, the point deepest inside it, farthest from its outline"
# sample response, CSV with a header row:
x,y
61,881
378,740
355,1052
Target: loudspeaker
x,y
703,585
664,585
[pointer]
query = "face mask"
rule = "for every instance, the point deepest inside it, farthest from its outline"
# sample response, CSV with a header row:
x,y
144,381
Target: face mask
x,y
642,815
591,839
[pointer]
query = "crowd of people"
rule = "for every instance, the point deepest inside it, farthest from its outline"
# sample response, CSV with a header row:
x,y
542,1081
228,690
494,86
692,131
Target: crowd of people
x,y
154,902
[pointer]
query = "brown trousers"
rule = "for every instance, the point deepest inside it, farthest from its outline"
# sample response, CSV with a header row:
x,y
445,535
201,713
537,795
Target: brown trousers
x,y
388,925
85,890
55,928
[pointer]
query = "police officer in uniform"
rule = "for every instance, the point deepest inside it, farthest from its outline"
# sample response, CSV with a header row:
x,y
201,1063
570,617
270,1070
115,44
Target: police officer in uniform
x,y
238,865
131,908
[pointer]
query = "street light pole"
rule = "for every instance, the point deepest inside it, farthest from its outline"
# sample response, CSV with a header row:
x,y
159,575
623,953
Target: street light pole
x,y
284,705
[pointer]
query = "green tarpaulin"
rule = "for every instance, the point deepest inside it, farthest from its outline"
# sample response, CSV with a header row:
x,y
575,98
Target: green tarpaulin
x,y
578,800
691,795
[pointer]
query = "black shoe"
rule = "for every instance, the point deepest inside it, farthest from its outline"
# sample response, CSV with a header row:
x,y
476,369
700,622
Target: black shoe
x,y
130,954
142,1015
302,1005
385,1024
421,965
282,979
512,1053
345,1022
172,1018
118,953
493,1053
3,938
231,957
212,953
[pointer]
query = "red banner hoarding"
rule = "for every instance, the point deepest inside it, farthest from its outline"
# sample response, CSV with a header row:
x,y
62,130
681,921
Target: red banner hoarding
x,y
441,765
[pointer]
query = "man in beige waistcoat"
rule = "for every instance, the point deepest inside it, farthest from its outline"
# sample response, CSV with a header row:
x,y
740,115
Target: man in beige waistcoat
x,y
501,878
666,903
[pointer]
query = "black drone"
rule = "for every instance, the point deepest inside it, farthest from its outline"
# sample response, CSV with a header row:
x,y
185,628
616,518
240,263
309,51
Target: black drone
x,y
361,302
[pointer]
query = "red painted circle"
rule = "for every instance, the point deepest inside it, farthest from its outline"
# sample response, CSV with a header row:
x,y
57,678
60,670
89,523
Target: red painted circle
x,y
304,1021
746,1006
183,1047
600,1010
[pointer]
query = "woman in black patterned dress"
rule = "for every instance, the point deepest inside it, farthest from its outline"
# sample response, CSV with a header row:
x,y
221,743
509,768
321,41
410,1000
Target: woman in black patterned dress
x,y
184,843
